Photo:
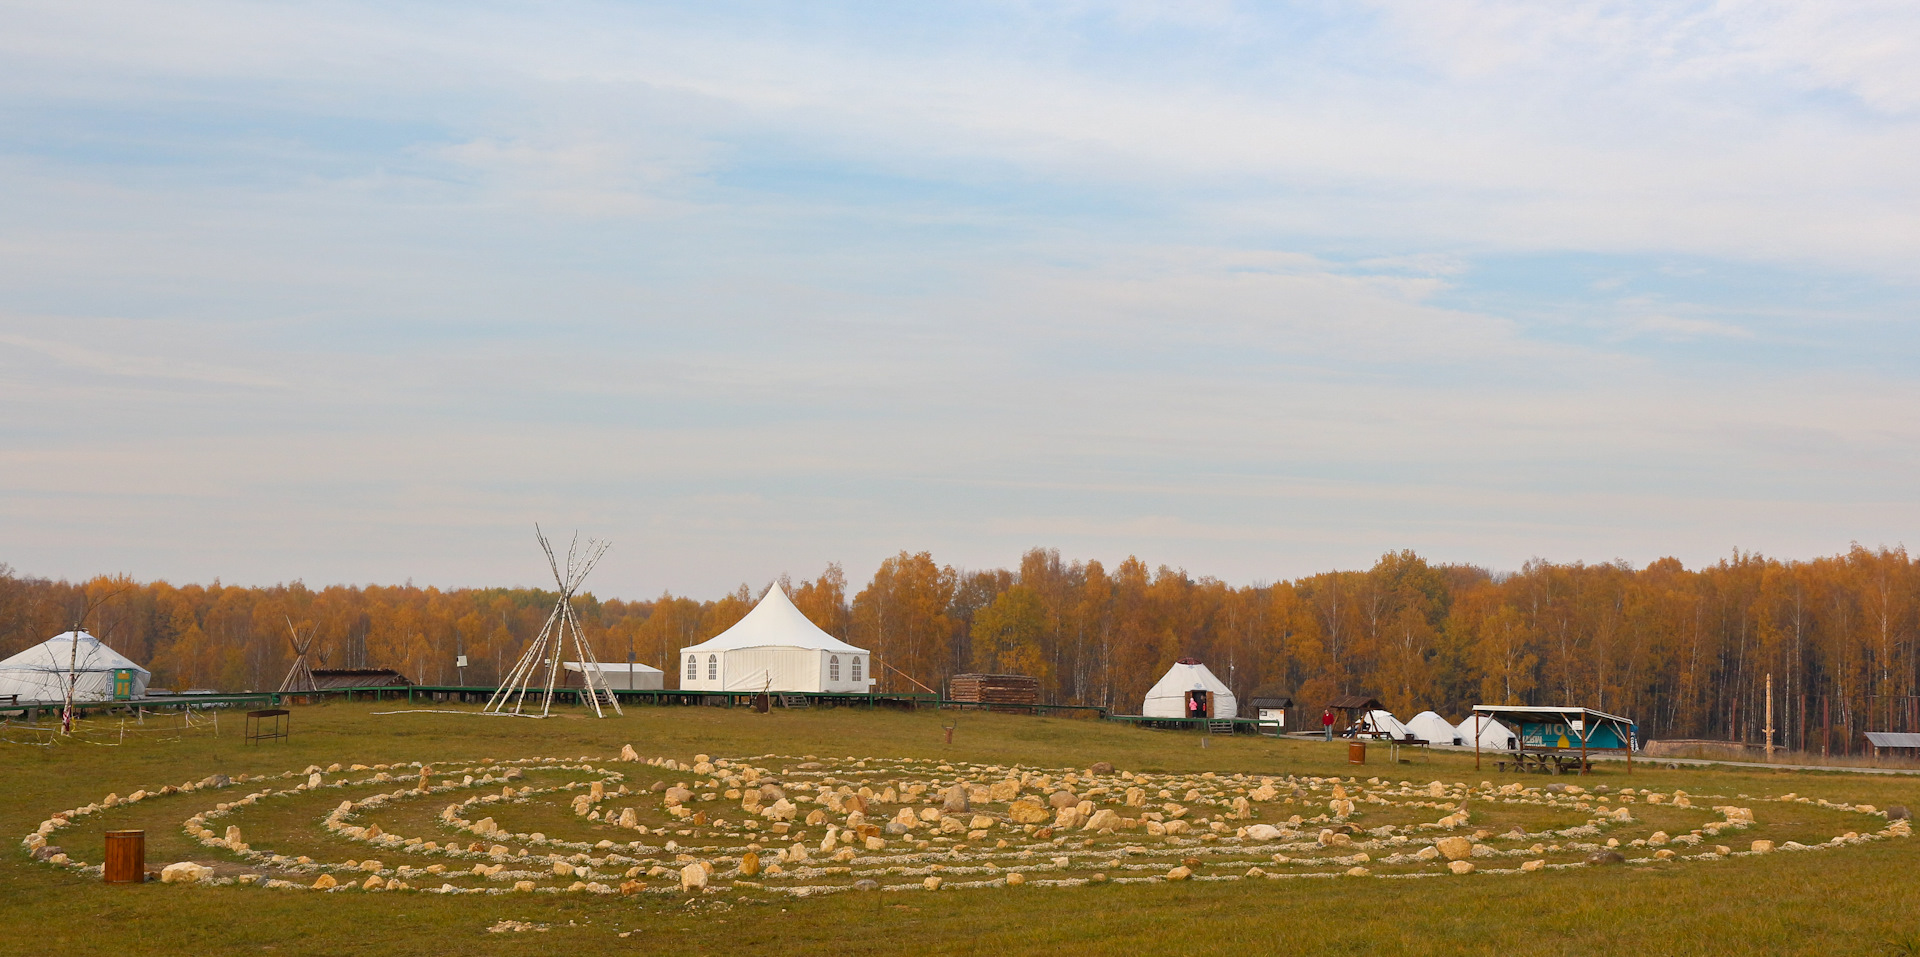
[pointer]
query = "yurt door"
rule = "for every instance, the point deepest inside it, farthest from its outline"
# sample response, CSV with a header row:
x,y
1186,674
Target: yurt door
x,y
122,684
1199,704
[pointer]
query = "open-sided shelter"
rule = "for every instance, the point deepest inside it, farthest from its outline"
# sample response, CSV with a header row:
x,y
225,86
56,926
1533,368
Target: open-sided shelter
x,y
776,649
40,673
1560,729
1433,729
1189,690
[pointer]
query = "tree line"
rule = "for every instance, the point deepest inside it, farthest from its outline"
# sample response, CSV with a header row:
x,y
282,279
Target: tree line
x,y
1684,652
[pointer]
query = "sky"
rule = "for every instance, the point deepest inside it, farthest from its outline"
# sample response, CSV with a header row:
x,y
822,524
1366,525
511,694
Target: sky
x,y
352,293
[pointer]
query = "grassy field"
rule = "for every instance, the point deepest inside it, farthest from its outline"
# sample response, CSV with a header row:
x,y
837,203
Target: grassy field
x,y
1851,900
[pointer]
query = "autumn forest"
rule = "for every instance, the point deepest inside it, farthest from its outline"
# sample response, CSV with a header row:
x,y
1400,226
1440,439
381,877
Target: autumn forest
x,y
1684,652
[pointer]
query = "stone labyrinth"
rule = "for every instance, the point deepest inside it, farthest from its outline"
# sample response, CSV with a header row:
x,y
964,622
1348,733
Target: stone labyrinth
x,y
805,826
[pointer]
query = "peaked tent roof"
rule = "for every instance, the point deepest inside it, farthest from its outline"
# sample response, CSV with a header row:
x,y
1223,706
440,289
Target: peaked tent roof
x,y
1433,729
1493,734
1384,721
56,654
774,623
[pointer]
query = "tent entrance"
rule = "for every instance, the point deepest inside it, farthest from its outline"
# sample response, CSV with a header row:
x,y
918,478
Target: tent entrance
x,y
1199,704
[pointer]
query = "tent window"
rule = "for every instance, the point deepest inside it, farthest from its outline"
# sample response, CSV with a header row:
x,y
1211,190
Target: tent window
x,y
833,667
856,668
713,667
692,668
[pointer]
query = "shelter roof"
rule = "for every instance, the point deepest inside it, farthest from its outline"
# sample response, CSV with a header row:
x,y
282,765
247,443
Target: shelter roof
x,y
1270,701
1893,739
615,667
1511,712
774,622
1355,702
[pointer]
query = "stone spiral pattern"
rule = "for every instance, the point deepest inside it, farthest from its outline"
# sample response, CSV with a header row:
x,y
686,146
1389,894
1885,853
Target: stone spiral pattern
x,y
803,826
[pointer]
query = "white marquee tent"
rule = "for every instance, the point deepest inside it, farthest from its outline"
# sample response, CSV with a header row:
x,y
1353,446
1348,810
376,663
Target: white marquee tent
x,y
777,649
1433,729
40,672
1494,736
1171,695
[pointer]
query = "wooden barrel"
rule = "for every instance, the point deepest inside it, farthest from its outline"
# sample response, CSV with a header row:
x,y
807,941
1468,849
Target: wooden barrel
x,y
1357,752
126,857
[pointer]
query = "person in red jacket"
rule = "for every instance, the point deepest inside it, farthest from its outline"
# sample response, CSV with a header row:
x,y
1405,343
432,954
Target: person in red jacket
x,y
1326,721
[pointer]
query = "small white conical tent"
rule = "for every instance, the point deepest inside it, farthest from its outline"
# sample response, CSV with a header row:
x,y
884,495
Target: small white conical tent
x,y
1494,736
1433,729
1385,723
1189,690
40,672
776,648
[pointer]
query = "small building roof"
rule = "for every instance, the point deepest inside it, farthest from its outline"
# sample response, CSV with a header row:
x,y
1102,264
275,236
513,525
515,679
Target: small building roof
x,y
1355,702
1270,702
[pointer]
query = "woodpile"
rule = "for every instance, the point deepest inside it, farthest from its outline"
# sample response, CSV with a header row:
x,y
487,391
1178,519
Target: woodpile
x,y
1013,693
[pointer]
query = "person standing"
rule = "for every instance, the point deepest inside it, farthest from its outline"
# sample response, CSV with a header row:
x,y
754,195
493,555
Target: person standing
x,y
1326,722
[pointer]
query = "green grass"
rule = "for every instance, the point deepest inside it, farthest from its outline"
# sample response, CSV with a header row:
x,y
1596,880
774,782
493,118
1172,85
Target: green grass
x,y
1845,901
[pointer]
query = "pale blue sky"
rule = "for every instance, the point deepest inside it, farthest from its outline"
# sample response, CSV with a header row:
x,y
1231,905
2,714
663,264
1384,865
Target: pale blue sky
x,y
358,292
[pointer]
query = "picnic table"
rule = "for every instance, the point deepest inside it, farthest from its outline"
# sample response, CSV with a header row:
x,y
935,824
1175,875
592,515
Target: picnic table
x,y
1535,762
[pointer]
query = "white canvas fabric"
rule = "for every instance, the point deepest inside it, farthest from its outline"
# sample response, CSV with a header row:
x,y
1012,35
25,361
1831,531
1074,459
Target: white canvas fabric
x,y
1494,736
775,648
622,676
1168,697
40,672
1385,722
1433,729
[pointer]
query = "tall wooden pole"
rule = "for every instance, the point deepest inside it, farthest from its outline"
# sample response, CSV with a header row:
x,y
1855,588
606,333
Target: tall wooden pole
x,y
1769,716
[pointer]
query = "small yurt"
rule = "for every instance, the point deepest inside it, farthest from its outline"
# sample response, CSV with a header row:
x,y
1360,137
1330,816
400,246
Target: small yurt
x,y
1494,736
1383,722
777,649
1433,729
40,672
1189,690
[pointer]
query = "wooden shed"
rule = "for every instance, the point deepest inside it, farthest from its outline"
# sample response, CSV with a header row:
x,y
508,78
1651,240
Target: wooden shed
x,y
330,679
1018,693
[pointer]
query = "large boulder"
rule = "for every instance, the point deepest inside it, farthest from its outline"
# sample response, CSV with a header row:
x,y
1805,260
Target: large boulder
x,y
954,800
693,877
1262,832
1027,811
1454,848
676,796
1103,819
1062,798
1003,791
184,872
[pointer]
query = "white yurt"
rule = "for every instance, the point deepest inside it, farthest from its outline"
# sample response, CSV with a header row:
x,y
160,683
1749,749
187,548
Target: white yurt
x,y
777,649
1433,729
1494,736
40,672
1188,686
1385,723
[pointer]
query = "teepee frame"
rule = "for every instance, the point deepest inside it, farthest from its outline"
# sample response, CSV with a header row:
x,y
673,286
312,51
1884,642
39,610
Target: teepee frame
x,y
540,665
299,678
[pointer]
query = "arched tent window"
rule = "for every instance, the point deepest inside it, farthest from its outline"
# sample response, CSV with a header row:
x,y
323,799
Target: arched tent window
x,y
833,667
713,667
856,668
692,668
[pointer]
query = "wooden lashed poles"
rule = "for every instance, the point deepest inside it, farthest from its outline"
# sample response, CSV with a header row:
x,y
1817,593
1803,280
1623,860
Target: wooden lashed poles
x,y
548,649
299,677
